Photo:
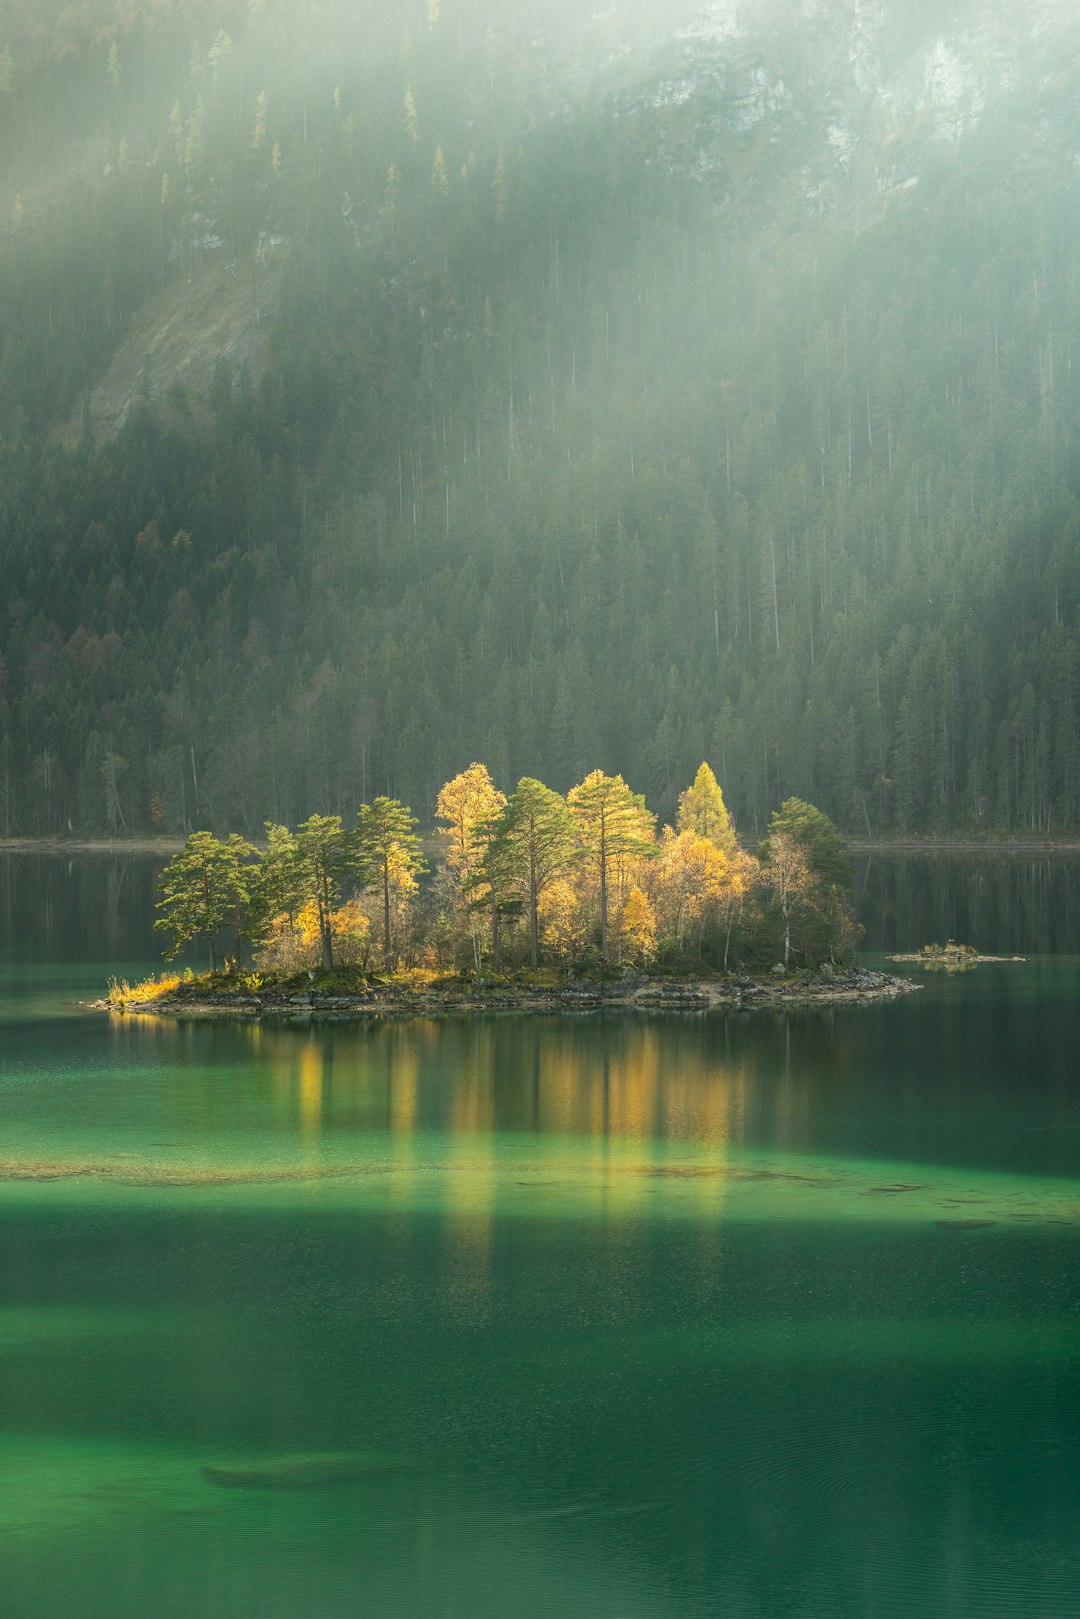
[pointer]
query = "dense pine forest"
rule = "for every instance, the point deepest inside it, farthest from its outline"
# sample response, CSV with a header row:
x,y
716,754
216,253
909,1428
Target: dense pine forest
x,y
383,388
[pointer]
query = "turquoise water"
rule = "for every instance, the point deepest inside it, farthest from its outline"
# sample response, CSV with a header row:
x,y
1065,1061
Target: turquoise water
x,y
743,1315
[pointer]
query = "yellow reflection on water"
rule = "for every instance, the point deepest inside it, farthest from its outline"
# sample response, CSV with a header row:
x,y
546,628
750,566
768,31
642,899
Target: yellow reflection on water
x,y
470,1193
312,1080
403,1084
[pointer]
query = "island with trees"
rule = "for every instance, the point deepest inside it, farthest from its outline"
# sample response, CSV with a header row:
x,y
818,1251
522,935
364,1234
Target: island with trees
x,y
529,900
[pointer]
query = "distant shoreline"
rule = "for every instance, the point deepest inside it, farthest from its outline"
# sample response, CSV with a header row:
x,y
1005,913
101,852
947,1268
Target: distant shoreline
x,y
964,846
947,845
114,846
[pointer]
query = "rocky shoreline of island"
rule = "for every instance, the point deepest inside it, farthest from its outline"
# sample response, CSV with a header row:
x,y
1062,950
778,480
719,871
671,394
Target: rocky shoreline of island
x,y
289,1002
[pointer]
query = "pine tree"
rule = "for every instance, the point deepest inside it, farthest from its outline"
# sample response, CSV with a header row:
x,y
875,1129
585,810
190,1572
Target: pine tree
x,y
535,841
805,866
389,855
325,860
615,828
202,888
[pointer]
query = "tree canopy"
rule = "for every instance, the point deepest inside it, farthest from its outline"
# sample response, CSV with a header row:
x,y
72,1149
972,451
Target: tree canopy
x,y
582,882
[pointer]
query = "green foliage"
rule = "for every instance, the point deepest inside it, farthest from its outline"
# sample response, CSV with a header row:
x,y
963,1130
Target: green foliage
x,y
388,855
534,841
324,859
555,863
205,887
816,836
615,827
809,881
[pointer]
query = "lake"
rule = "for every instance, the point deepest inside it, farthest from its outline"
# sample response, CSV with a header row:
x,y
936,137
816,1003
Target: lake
x,y
749,1315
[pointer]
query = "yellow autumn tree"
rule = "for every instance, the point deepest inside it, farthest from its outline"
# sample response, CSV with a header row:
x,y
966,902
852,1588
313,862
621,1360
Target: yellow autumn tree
x,y
687,883
292,943
351,926
617,834
702,810
469,804
635,929
736,899
563,929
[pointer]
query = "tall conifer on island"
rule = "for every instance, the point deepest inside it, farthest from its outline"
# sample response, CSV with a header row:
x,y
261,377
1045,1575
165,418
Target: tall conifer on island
x,y
389,856
325,859
205,886
279,889
806,869
535,840
281,876
702,810
615,826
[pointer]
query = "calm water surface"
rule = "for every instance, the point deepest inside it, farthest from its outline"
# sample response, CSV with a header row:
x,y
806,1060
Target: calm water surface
x,y
748,1316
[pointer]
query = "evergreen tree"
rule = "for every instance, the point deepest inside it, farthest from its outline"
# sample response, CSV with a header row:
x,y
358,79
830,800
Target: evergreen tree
x,y
389,855
615,827
202,888
325,859
534,842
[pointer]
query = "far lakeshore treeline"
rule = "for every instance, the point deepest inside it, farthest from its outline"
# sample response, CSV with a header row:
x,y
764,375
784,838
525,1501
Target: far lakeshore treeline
x,y
579,882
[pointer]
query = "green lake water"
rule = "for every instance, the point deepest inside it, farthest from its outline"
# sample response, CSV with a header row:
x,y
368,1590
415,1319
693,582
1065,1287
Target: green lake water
x,y
764,1316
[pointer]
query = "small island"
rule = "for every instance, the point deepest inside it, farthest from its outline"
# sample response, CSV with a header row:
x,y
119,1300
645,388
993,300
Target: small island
x,y
950,957
533,901
341,996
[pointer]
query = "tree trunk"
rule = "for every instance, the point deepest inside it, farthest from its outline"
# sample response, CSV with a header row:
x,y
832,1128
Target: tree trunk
x,y
603,889
496,935
534,931
534,900
386,910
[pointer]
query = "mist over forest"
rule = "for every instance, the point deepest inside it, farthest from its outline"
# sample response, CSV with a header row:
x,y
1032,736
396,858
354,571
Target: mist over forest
x,y
384,388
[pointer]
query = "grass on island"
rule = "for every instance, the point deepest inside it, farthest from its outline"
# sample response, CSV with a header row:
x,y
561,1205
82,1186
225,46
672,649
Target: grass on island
x,y
122,994
341,980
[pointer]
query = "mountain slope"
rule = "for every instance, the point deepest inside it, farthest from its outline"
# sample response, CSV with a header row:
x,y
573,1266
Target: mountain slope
x,y
565,395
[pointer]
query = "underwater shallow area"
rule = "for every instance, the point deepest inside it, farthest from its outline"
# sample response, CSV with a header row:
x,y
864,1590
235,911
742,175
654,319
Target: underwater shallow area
x,y
611,1314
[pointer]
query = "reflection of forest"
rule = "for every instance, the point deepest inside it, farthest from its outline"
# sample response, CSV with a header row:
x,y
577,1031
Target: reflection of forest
x,y
612,1078
997,903
101,907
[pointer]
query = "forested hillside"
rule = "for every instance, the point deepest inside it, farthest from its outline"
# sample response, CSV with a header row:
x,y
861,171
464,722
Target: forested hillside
x,y
383,388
